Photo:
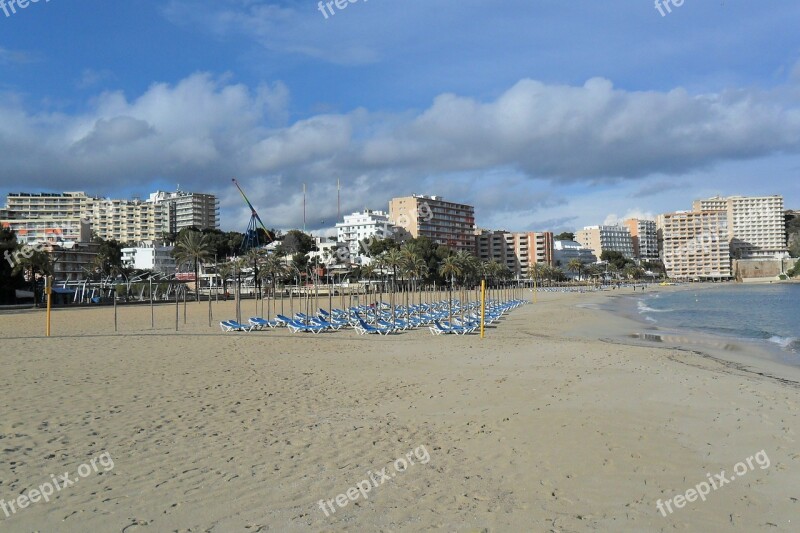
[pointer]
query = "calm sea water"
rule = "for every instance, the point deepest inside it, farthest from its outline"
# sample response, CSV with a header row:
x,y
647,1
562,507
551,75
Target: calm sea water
x,y
769,313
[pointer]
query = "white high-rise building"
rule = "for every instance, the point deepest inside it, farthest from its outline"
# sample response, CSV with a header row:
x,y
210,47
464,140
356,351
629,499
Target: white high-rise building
x,y
363,226
181,210
601,239
644,236
756,224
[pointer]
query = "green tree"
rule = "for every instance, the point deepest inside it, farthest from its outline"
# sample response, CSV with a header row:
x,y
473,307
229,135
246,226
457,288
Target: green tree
x,y
29,265
450,268
393,259
193,248
576,267
614,257
9,282
295,242
564,236
378,247
631,271
223,244
108,261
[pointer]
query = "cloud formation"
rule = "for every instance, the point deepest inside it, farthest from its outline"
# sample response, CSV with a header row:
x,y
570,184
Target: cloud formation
x,y
501,154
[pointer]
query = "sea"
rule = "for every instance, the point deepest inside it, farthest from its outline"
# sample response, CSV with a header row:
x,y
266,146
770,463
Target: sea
x,y
766,314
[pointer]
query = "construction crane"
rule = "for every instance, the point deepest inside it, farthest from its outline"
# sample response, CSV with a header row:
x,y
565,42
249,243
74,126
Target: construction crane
x,y
251,239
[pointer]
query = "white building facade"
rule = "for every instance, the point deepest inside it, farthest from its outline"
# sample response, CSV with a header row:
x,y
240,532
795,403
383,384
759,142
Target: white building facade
x,y
756,224
566,251
600,239
363,226
155,258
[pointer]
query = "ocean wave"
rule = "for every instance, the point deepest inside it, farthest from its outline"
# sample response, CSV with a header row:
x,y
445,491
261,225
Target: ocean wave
x,y
643,308
787,343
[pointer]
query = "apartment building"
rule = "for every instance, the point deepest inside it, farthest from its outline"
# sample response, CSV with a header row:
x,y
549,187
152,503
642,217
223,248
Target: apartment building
x,y
644,238
181,210
600,239
566,251
443,222
48,229
72,261
122,220
757,225
366,225
150,257
696,245
517,251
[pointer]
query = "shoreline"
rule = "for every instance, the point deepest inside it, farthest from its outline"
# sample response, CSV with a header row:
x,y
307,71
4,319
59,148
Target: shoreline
x,y
759,356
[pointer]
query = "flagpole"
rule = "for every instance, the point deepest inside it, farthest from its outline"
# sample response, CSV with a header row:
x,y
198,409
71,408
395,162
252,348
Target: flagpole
x,y
338,202
304,208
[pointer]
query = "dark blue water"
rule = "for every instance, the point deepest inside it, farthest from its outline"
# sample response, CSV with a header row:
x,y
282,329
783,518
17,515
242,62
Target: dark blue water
x,y
768,313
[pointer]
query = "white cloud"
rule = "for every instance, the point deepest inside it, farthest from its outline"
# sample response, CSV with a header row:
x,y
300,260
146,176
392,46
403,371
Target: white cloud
x,y
504,155
612,219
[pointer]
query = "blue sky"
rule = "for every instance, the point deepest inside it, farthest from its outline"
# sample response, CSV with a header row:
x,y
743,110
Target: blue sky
x,y
545,114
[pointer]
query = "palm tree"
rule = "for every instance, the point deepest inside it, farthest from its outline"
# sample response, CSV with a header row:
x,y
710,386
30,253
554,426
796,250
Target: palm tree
x,y
394,260
194,247
368,271
272,269
632,272
469,268
450,267
36,262
225,270
575,266
612,269
380,264
410,251
419,269
255,257
539,272
505,274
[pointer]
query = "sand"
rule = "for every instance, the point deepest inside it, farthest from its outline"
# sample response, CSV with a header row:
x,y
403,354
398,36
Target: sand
x,y
547,424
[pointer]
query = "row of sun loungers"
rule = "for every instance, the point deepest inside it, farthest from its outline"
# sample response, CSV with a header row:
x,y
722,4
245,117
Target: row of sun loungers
x,y
379,319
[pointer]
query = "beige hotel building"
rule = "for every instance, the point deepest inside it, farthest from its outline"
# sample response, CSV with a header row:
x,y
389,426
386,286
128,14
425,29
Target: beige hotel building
x,y
696,245
441,221
518,251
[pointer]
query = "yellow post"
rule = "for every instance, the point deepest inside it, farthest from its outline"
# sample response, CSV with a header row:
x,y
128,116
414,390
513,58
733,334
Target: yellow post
x,y
483,305
48,282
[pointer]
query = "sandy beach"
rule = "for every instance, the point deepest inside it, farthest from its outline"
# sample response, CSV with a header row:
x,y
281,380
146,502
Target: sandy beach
x,y
547,424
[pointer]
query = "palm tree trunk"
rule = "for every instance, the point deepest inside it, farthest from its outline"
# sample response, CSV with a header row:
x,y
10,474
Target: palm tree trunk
x,y
450,303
